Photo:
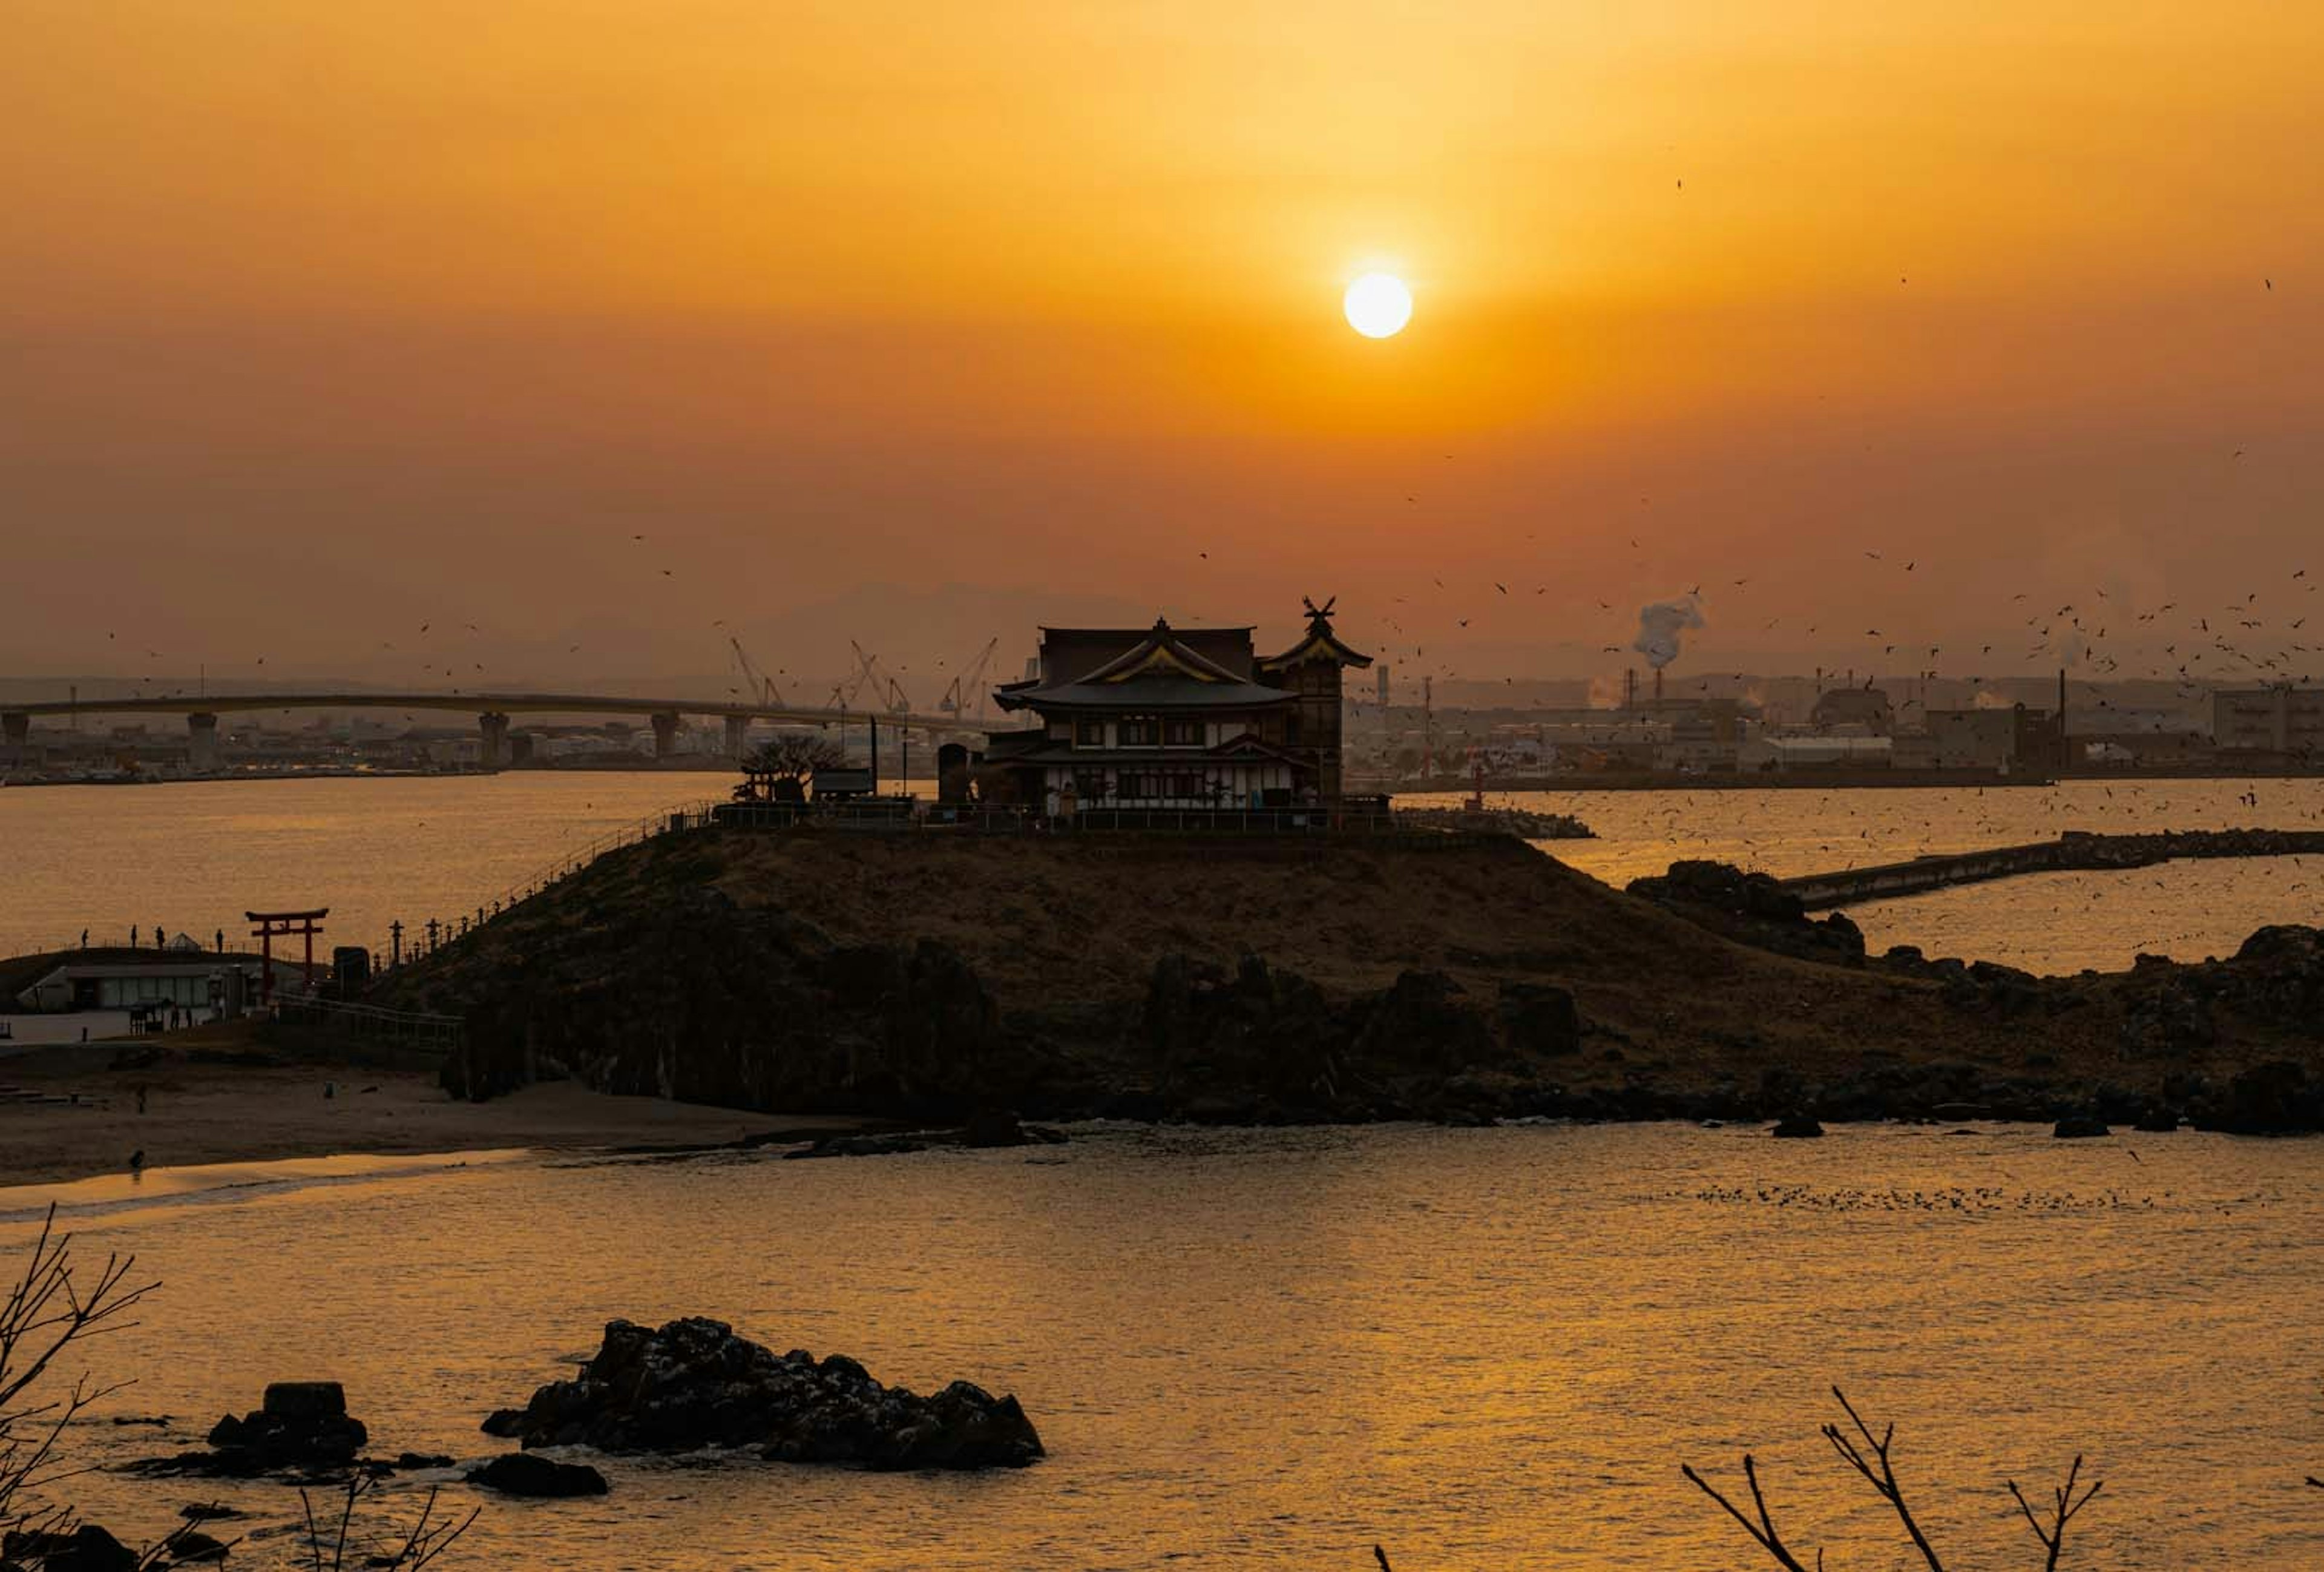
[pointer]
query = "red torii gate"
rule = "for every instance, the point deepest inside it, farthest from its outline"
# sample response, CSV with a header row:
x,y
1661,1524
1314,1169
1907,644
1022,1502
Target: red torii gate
x,y
306,924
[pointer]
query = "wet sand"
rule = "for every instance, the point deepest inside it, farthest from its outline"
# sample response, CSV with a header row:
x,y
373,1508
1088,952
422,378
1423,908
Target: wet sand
x,y
210,1113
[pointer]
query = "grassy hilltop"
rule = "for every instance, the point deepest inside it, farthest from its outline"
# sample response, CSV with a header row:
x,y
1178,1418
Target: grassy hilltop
x,y
1257,979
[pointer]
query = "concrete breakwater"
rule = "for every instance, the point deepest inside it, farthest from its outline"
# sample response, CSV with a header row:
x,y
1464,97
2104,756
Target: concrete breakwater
x,y
2074,851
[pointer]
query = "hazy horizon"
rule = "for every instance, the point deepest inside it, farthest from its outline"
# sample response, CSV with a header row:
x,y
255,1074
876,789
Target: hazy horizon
x,y
325,325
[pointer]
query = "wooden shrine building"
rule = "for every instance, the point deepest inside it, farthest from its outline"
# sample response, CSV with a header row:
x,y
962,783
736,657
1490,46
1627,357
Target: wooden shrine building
x,y
1173,718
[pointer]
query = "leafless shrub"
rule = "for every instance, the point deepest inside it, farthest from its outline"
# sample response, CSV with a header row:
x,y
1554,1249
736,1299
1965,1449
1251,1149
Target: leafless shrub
x,y
329,1542
52,1306
1868,1454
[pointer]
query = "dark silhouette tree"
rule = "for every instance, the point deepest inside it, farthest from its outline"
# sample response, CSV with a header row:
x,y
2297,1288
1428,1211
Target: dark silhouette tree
x,y
791,757
1868,1456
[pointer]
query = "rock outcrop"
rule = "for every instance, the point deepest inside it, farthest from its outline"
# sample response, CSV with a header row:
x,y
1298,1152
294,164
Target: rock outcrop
x,y
299,1424
87,1549
693,1384
525,1473
1752,908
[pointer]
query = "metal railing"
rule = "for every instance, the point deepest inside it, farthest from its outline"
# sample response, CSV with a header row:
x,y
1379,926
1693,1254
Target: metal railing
x,y
421,939
372,1023
919,815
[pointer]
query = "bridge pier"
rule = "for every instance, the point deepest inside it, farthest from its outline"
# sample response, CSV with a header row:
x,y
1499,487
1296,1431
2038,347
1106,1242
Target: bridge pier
x,y
738,734
492,730
201,740
16,732
519,749
665,730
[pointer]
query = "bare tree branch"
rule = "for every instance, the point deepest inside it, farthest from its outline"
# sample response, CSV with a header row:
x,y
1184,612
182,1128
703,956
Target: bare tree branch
x,y
422,1543
2053,1539
47,1308
1869,1456
1884,1480
1763,1532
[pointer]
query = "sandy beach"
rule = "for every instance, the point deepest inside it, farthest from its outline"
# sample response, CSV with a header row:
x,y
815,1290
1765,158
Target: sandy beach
x,y
69,1113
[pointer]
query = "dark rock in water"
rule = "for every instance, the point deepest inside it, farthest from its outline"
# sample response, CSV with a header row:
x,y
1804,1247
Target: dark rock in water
x,y
2276,1098
412,1462
87,1548
522,1473
1797,1127
191,1545
2079,1127
211,1511
303,1424
506,1423
693,1384
2157,1122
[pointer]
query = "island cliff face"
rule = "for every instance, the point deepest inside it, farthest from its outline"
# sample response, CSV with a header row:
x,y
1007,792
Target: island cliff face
x,y
1440,976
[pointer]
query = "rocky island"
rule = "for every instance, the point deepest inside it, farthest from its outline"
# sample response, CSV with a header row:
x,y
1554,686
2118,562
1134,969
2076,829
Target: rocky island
x,y
1460,977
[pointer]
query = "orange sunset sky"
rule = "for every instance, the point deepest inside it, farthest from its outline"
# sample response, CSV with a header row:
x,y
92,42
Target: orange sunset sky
x,y
924,323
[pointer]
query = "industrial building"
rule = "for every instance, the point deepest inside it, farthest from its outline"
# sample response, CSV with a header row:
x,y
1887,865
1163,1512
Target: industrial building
x,y
1990,739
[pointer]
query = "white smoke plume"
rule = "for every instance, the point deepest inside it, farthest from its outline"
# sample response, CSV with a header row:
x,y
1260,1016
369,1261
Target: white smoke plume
x,y
1660,625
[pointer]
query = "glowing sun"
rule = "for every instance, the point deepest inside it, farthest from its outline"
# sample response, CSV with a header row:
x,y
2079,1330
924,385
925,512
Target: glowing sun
x,y
1377,305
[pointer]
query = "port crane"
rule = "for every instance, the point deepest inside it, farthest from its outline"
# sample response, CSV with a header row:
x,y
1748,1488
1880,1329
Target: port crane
x,y
761,689
886,693
970,678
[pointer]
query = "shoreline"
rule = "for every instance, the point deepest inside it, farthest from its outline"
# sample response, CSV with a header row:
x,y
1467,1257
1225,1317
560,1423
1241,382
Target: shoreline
x,y
231,1111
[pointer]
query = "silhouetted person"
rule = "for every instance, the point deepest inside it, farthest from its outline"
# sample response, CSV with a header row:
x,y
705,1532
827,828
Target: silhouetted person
x,y
132,936
137,1160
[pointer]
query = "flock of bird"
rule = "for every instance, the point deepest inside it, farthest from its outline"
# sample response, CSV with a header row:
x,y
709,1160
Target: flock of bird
x,y
1979,1200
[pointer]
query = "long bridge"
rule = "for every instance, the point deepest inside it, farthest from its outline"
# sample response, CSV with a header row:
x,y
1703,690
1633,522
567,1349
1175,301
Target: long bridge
x,y
491,711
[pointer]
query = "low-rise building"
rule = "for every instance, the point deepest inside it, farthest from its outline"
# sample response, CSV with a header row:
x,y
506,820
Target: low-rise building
x,y
1993,739
2279,718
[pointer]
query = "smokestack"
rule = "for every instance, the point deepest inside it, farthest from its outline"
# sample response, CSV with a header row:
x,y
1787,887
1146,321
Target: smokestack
x,y
1658,688
1630,688
2065,749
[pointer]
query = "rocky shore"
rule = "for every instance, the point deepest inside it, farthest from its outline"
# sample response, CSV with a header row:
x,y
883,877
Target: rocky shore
x,y
1268,982
693,1384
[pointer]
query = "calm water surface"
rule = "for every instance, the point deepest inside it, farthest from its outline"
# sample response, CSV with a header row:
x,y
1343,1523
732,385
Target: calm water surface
x,y
196,855
1487,1349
